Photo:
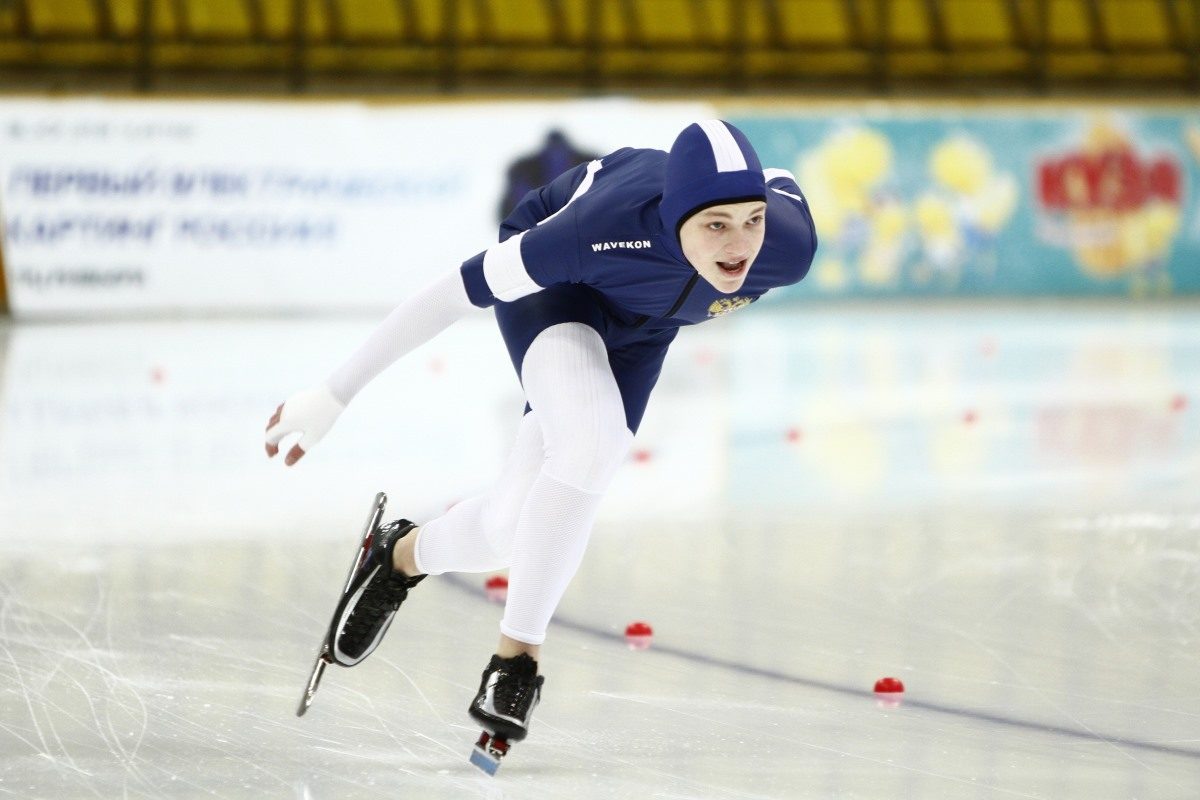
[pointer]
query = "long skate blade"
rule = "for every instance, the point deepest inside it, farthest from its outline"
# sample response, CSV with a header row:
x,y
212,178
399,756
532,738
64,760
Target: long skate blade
x,y
314,680
324,658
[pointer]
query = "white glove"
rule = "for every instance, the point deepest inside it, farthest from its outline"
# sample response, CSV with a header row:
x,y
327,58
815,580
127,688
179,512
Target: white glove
x,y
310,413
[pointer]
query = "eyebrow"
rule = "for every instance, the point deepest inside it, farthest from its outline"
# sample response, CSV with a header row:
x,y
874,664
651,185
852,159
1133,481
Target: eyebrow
x,y
726,214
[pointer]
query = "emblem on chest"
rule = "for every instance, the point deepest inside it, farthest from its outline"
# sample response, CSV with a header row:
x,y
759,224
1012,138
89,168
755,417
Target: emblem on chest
x,y
726,305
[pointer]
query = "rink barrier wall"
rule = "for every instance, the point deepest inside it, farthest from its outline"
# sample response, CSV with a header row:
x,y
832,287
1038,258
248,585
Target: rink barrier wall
x,y
119,206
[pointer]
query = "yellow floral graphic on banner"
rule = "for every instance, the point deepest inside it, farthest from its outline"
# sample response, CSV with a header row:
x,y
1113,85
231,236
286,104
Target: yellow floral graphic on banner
x,y
870,228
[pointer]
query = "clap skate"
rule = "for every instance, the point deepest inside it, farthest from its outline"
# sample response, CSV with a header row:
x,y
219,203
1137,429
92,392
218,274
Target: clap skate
x,y
508,693
372,594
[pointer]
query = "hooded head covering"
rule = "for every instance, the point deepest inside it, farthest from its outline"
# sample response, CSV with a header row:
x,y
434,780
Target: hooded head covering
x,y
711,163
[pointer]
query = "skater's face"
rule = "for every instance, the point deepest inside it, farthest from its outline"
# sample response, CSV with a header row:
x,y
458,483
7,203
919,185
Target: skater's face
x,y
721,242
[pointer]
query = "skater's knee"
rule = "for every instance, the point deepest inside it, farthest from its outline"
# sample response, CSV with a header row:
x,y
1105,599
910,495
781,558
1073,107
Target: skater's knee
x,y
588,459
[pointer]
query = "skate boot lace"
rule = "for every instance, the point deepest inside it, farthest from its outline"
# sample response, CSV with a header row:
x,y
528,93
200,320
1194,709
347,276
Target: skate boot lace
x,y
516,693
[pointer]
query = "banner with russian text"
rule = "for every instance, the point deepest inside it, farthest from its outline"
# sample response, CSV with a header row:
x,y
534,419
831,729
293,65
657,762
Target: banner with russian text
x,y
135,206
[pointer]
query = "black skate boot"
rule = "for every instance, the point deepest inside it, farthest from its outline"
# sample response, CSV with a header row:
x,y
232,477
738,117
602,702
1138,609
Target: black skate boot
x,y
369,600
508,693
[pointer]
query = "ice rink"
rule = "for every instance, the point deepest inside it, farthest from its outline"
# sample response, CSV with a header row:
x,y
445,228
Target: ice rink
x,y
997,504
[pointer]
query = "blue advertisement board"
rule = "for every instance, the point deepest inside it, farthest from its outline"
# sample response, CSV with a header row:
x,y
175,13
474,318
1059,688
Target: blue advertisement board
x,y
1059,202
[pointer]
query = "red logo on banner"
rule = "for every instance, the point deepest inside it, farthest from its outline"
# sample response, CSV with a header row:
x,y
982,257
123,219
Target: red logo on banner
x,y
1113,180
1117,210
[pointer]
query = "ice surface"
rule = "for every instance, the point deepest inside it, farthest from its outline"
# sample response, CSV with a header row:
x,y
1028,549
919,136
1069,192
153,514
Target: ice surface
x,y
996,504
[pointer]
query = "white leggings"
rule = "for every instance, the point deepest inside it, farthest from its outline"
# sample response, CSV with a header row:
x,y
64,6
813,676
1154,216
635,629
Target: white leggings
x,y
537,518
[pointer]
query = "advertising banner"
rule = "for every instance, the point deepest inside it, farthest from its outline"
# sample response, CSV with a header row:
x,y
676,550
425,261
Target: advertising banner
x,y
113,207
116,207
1069,201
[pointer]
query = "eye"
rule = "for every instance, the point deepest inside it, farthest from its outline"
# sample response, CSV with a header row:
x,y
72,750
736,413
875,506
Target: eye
x,y
756,219
716,226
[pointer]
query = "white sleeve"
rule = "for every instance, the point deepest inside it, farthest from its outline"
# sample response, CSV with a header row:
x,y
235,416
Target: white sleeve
x,y
412,323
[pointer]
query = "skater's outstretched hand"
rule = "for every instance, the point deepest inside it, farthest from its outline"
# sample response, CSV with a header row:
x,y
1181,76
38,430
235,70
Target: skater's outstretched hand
x,y
310,413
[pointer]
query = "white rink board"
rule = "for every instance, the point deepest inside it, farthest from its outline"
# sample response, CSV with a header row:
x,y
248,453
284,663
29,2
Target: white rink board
x,y
118,206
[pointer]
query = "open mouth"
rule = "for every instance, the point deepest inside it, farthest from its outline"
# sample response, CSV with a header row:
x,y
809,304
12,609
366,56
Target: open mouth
x,y
732,267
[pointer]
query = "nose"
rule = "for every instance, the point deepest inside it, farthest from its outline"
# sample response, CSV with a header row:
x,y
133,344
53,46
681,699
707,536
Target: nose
x,y
738,244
